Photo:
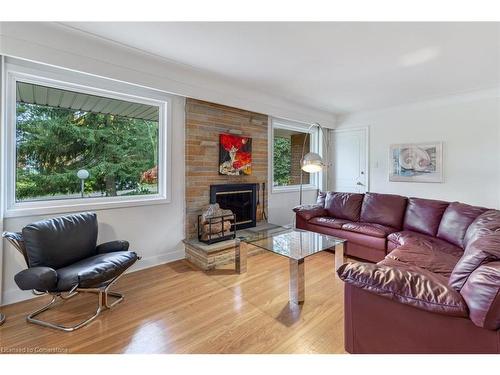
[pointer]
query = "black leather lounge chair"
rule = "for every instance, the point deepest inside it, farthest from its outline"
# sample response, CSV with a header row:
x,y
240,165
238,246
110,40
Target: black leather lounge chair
x,y
63,260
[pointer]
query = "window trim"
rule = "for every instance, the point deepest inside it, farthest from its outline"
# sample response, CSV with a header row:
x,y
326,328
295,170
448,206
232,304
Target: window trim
x,y
277,123
16,70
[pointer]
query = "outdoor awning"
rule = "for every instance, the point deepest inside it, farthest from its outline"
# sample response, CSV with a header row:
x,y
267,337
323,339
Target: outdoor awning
x,y
53,97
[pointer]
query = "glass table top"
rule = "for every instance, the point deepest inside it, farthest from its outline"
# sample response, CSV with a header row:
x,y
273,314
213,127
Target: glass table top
x,y
290,242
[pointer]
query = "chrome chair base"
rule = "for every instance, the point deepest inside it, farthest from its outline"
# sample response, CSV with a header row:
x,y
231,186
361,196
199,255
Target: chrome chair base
x,y
2,318
103,295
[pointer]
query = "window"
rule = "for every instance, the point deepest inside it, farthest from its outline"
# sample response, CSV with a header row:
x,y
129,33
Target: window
x,y
289,139
72,145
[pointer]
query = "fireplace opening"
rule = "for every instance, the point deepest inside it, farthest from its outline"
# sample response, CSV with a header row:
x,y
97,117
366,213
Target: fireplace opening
x,y
239,198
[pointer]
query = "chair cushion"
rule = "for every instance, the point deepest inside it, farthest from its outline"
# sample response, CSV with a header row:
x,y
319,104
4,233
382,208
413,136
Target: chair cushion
x,y
481,292
375,230
92,272
483,250
344,205
431,260
385,209
484,224
456,219
424,215
409,285
61,241
329,222
407,237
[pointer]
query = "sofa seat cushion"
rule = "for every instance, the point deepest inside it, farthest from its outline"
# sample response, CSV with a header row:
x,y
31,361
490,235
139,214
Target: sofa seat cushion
x,y
329,222
375,230
385,209
407,237
431,260
424,215
456,219
409,285
92,272
344,205
483,250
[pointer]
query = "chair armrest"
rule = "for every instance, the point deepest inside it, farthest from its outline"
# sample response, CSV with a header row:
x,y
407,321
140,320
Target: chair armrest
x,y
481,292
409,285
39,278
112,246
307,212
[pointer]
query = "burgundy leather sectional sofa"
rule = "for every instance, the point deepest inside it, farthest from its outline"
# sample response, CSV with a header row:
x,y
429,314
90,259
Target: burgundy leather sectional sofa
x,y
435,288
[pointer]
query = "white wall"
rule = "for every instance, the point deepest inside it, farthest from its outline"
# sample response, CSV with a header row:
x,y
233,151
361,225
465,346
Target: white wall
x,y
468,125
155,231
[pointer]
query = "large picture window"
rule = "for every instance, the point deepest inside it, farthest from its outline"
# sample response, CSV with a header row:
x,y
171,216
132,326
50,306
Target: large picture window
x,y
77,145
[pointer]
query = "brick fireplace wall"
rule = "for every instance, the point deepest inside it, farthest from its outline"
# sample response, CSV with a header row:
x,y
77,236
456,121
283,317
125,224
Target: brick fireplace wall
x,y
204,122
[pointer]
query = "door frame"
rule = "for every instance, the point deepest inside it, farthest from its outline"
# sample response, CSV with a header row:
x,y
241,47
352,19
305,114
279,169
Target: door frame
x,y
366,129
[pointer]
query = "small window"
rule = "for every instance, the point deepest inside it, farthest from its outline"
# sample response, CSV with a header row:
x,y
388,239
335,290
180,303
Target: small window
x,y
72,145
289,142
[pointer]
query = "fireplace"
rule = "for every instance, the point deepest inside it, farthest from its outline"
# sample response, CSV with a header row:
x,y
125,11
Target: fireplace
x,y
239,198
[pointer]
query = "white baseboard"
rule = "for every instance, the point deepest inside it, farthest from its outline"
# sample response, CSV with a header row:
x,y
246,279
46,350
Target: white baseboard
x,y
16,295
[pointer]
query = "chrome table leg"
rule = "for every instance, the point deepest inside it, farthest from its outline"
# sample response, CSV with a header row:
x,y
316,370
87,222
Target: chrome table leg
x,y
297,281
339,257
240,257
2,318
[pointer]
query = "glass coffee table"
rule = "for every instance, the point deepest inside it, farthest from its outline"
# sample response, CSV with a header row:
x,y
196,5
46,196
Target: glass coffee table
x,y
294,244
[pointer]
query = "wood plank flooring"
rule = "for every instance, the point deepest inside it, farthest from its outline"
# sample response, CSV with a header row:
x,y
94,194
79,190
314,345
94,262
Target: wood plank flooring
x,y
176,308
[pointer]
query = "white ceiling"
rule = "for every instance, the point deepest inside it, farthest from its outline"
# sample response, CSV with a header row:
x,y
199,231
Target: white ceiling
x,y
338,67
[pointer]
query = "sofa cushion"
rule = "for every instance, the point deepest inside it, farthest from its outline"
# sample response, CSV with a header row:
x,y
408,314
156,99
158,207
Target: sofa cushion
x,y
385,209
484,224
456,219
329,222
431,260
407,237
320,200
344,205
357,238
481,292
375,230
424,215
483,250
409,285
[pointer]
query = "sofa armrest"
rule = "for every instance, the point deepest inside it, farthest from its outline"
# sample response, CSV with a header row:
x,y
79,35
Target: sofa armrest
x,y
409,285
112,246
307,212
481,292
38,278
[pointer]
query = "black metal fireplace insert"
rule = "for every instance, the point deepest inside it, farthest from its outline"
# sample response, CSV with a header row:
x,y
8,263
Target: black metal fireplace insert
x,y
239,198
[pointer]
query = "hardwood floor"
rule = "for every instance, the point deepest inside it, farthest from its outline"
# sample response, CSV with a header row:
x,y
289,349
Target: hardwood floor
x,y
176,308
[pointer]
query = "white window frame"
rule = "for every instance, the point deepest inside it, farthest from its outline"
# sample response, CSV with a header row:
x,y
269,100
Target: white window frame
x,y
315,179
19,70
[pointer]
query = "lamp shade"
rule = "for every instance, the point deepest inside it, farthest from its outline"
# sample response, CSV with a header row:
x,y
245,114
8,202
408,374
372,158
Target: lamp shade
x,y
312,163
83,174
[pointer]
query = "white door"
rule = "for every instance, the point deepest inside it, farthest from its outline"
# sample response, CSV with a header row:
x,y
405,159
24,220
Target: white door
x,y
350,160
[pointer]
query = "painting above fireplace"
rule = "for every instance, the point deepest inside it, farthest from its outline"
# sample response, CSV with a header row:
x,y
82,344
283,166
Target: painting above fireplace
x,y
235,155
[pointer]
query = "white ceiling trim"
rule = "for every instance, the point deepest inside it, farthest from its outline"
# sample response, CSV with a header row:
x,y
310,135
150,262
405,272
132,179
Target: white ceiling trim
x,y
61,46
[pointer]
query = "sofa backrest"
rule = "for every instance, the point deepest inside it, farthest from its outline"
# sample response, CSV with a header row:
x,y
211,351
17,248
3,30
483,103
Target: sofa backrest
x,y
61,241
424,215
456,219
344,205
486,223
385,209
481,292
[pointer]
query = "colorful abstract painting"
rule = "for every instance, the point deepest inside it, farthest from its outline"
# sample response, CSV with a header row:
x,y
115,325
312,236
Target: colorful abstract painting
x,y
235,155
416,162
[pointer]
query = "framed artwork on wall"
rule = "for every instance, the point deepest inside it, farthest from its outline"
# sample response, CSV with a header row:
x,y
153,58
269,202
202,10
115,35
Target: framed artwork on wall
x,y
416,162
235,155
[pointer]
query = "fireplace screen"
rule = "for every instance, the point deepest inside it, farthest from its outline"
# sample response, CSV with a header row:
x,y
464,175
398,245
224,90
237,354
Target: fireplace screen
x,y
240,199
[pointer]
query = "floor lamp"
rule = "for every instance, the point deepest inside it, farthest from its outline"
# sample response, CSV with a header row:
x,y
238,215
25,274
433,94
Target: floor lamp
x,y
312,162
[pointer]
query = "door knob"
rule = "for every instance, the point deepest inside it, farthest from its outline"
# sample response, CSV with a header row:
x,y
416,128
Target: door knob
x,y
360,184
